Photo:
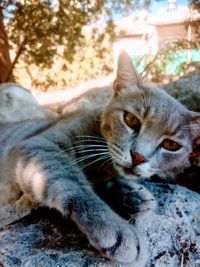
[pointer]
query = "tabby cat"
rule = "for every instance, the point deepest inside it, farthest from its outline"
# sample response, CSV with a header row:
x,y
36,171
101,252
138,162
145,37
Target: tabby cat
x,y
72,162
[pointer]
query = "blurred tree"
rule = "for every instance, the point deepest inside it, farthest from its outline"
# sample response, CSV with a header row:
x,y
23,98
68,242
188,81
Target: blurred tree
x,y
5,61
179,58
194,19
37,30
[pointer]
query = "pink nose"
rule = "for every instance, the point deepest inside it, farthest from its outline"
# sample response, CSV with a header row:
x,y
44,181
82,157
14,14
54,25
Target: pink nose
x,y
137,158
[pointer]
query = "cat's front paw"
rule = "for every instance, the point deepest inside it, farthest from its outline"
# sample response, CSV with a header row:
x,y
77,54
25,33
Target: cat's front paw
x,y
139,199
118,241
130,198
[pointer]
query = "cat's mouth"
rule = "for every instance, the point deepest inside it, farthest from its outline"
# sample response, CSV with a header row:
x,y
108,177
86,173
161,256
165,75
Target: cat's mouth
x,y
127,170
135,173
139,171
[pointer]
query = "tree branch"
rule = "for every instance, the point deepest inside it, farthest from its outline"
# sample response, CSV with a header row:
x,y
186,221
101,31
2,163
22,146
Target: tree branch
x,y
18,54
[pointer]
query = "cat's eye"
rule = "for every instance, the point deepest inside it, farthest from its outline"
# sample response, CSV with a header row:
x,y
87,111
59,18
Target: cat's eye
x,y
170,145
132,121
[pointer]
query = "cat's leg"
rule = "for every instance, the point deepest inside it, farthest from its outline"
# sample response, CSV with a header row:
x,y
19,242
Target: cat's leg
x,y
128,197
43,175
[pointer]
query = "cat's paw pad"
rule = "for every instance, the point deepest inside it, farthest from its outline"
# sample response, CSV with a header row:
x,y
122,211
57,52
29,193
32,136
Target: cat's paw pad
x,y
130,197
118,242
139,200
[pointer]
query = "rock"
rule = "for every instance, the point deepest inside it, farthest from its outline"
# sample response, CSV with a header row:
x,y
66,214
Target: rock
x,y
18,104
172,233
187,91
94,98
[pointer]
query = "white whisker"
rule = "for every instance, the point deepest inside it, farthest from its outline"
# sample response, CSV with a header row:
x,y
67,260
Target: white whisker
x,y
101,158
84,147
91,136
79,150
85,158
89,140
109,160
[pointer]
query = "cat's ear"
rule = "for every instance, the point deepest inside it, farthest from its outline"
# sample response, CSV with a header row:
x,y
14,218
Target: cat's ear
x,y
126,73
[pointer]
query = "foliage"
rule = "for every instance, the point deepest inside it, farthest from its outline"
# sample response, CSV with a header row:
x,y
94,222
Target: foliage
x,y
42,32
169,63
57,46
177,58
46,24
91,61
195,11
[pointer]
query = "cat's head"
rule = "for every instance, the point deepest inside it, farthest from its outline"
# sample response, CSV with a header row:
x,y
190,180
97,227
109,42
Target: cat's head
x,y
148,132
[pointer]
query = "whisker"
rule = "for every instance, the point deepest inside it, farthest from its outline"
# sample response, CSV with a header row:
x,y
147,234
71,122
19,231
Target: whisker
x,y
114,147
91,141
116,154
100,158
95,139
98,147
85,158
74,148
109,161
90,150
106,143
90,136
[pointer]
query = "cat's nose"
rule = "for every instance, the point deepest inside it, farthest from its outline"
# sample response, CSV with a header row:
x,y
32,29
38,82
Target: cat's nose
x,y
137,158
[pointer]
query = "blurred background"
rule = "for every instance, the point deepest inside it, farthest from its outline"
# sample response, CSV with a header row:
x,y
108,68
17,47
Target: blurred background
x,y
57,45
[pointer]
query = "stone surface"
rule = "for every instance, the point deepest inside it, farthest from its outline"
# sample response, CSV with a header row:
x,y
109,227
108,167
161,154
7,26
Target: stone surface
x,y
44,238
18,103
187,91
173,232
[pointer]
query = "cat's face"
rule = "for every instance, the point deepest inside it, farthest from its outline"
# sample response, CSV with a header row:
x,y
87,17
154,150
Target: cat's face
x,y
148,132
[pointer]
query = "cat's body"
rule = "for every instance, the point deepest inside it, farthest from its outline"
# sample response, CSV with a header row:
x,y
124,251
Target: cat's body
x,y
62,163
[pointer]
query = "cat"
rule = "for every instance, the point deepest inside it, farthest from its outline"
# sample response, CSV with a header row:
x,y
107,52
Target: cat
x,y
79,162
